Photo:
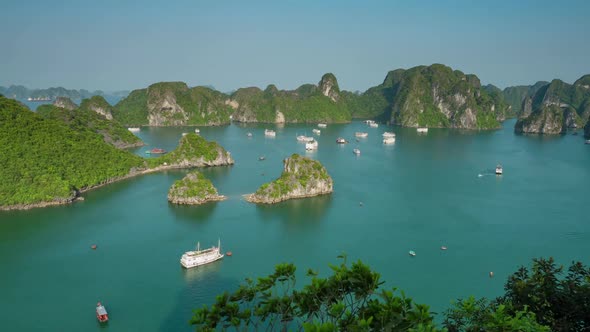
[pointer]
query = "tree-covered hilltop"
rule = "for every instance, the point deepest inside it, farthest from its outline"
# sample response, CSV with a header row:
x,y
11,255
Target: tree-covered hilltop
x,y
46,160
99,105
515,95
65,102
85,119
193,151
193,189
556,107
430,96
544,298
301,177
307,104
173,104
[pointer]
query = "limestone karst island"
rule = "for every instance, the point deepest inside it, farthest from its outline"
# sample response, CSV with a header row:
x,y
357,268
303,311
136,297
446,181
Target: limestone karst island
x,y
330,166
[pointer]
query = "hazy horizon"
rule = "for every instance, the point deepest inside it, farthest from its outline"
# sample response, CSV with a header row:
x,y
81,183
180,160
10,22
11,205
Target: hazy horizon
x,y
112,46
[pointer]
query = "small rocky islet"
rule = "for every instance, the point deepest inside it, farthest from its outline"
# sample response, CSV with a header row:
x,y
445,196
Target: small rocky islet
x,y
193,189
301,177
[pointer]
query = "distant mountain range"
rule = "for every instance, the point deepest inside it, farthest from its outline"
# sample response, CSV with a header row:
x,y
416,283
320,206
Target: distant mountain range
x,y
22,92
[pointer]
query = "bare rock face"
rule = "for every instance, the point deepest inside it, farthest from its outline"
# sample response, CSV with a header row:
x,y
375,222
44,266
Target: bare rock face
x,y
301,177
65,102
329,87
98,105
163,108
193,189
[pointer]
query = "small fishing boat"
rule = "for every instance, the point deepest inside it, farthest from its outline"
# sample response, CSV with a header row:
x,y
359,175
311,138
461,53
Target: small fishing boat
x,y
261,158
156,151
412,253
303,138
422,130
101,313
197,130
93,246
361,134
269,133
249,134
229,253
356,151
322,125
311,145
443,248
341,140
499,169
388,134
316,131
389,140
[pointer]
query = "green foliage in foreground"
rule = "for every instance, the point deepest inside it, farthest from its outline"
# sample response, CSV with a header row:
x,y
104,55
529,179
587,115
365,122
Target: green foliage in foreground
x,y
84,119
194,184
536,300
191,147
348,300
44,159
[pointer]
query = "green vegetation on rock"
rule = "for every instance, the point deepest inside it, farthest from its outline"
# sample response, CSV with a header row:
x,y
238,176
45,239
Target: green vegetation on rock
x,y
515,95
301,177
307,104
556,107
173,104
84,119
99,105
193,151
430,96
194,188
46,160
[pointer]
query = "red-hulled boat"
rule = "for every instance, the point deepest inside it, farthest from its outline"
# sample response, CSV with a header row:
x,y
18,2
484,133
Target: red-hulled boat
x,y
101,313
157,151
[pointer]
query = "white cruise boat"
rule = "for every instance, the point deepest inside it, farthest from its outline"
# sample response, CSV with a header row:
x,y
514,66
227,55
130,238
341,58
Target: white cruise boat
x,y
389,140
197,130
360,134
303,138
499,170
388,134
422,130
322,125
249,134
133,129
341,140
269,133
356,151
201,257
311,145
373,124
316,131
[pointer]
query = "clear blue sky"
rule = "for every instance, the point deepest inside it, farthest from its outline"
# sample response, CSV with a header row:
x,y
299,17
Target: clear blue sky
x,y
119,45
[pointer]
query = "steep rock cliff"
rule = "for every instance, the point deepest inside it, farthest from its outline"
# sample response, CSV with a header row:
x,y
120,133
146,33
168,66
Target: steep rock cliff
x,y
307,104
193,189
301,177
174,104
555,108
430,96
65,103
98,105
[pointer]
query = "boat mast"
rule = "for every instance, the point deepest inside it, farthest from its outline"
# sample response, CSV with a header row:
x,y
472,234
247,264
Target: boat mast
x,y
219,244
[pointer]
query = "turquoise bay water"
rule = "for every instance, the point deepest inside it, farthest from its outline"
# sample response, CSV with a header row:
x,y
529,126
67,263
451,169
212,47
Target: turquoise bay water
x,y
423,192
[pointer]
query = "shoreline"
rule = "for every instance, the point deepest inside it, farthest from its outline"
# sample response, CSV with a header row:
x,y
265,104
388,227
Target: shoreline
x,y
76,196
249,198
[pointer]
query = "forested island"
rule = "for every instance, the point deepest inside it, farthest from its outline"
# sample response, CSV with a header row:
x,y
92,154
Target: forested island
x,y
51,160
301,177
193,189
